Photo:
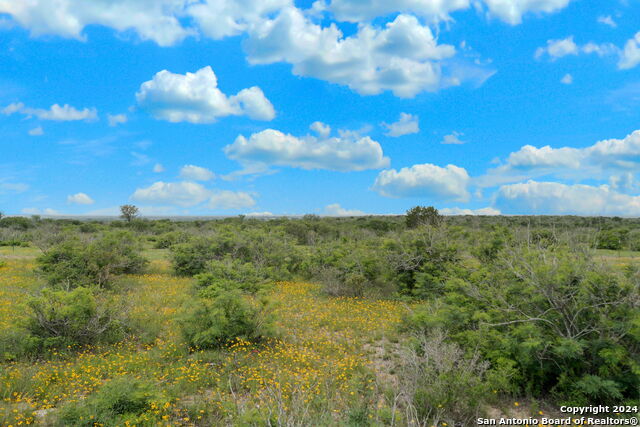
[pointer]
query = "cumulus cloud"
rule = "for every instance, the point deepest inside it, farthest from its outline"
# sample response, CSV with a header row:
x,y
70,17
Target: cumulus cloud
x,y
559,48
222,18
602,158
196,98
336,210
37,131
196,173
426,181
155,20
183,193
567,79
322,129
80,199
348,152
512,11
554,198
630,55
55,112
464,211
453,138
404,57
117,119
226,199
365,10
406,125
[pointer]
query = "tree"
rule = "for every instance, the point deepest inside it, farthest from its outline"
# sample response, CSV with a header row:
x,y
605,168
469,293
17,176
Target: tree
x,y
419,215
1,214
128,212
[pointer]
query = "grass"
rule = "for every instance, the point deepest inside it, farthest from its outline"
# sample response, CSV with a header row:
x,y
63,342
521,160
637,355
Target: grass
x,y
317,370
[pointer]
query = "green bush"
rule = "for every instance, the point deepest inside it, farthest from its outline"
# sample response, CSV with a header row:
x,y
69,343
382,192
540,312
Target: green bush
x,y
561,322
221,315
74,263
58,319
118,402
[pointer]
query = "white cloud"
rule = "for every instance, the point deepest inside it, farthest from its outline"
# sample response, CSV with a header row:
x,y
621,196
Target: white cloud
x,y
345,153
36,211
602,159
258,214
511,11
630,56
453,138
407,124
567,79
80,199
366,10
336,210
196,173
222,18
155,20
426,181
404,57
607,20
462,211
158,168
560,199
55,112
183,193
115,120
37,131
196,98
226,199
558,48
322,129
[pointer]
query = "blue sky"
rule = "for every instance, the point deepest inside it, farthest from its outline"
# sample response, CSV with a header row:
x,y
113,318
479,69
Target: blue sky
x,y
333,107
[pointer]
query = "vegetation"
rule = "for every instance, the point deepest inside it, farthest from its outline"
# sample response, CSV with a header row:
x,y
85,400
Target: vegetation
x,y
411,320
128,212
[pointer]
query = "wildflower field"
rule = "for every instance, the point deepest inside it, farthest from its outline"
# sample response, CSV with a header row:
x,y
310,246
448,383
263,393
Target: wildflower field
x,y
316,367
416,321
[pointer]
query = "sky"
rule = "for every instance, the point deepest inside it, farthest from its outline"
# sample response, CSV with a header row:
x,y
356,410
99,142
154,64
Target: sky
x,y
332,107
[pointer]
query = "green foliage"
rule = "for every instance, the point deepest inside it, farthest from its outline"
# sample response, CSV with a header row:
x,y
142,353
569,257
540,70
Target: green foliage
x,y
74,263
613,239
563,322
166,240
220,315
58,319
229,273
118,402
420,215
128,212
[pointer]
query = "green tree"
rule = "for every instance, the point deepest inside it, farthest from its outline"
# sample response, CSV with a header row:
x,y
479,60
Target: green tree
x,y
128,212
420,215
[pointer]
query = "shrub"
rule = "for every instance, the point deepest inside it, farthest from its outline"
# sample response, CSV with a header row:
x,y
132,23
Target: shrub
x,y
166,240
560,321
58,319
73,263
420,215
220,315
440,384
120,401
